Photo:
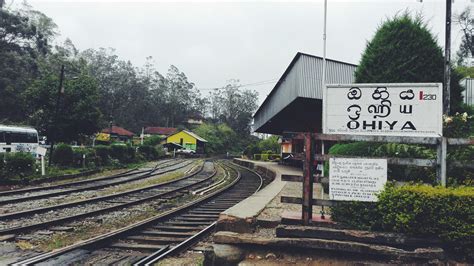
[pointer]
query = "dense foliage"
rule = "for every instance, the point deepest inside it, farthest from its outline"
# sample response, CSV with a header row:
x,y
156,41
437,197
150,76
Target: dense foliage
x,y
16,164
63,155
404,50
99,87
447,213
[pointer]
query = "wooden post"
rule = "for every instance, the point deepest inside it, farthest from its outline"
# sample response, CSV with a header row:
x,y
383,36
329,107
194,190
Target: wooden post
x,y
441,161
307,207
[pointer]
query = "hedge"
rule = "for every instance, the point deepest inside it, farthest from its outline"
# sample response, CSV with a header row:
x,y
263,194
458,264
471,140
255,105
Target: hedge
x,y
123,153
149,152
103,154
421,210
18,163
266,157
63,155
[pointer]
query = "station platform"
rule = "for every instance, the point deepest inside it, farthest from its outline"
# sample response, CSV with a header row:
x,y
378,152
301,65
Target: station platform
x,y
254,229
264,208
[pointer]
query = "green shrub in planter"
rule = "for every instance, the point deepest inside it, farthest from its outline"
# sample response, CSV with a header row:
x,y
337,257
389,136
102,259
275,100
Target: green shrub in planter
x,y
63,155
19,163
257,157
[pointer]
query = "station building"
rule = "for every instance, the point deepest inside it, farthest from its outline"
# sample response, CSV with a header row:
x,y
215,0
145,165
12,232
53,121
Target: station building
x,y
187,140
295,103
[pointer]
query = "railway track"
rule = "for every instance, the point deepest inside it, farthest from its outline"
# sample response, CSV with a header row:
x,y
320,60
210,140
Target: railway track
x,y
22,195
171,232
54,215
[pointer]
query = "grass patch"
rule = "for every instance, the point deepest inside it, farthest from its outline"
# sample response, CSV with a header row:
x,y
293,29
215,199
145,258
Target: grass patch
x,y
24,245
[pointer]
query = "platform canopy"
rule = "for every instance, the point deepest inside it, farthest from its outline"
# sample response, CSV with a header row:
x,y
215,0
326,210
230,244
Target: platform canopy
x,y
295,103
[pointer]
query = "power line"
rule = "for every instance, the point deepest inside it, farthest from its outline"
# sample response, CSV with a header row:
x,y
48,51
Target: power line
x,y
259,83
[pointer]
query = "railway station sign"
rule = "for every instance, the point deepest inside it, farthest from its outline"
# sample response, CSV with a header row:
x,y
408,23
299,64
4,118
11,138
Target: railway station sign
x,y
389,109
356,179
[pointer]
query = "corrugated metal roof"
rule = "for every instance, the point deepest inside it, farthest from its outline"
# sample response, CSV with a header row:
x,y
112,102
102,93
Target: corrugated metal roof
x,y
302,78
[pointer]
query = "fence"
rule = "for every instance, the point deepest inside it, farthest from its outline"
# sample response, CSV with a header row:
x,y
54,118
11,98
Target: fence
x,y
312,140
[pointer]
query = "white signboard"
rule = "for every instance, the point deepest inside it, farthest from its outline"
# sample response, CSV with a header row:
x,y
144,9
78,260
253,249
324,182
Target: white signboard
x,y
356,179
41,151
383,109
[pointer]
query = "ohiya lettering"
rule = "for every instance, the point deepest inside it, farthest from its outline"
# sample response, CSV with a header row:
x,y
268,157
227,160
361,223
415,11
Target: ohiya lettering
x,y
379,125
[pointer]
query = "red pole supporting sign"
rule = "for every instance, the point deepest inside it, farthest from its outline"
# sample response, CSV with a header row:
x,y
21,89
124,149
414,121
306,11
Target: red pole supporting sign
x,y
307,208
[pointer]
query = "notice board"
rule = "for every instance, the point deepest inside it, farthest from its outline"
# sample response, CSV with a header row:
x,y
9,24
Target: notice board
x,y
355,179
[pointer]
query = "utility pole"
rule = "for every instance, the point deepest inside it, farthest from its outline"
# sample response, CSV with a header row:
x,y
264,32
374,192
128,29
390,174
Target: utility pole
x,y
53,129
447,60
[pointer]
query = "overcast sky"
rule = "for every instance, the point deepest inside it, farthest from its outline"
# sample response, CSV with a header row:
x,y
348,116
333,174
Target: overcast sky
x,y
213,42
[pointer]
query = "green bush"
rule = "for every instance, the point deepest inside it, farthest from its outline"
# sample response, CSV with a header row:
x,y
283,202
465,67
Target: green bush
x,y
266,157
149,152
399,38
63,155
103,154
19,163
360,215
123,153
419,210
90,154
152,141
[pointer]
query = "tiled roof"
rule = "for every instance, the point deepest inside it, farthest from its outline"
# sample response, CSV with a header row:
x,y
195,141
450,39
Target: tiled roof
x,y
118,131
160,130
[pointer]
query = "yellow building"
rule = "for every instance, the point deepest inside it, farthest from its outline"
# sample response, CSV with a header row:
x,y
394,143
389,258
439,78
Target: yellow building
x,y
187,140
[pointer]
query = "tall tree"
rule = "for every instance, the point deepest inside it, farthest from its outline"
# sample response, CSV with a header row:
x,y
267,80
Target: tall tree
x,y
78,112
404,50
466,21
22,42
234,106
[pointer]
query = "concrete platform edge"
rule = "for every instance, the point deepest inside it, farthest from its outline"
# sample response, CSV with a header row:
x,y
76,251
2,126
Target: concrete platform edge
x,y
242,218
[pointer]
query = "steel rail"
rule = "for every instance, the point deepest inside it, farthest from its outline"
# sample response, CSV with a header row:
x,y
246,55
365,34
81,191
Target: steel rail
x,y
99,186
125,173
25,228
108,237
91,200
157,256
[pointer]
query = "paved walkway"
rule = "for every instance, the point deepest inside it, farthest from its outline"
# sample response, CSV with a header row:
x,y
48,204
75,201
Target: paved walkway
x,y
265,204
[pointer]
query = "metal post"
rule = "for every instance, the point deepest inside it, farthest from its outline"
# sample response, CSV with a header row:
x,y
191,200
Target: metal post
x,y
441,161
43,170
447,60
53,129
307,208
323,78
